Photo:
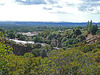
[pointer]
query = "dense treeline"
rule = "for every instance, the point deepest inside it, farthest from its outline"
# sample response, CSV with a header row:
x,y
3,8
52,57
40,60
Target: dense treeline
x,y
29,28
60,38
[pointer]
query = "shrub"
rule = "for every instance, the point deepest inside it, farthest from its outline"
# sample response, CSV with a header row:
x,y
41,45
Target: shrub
x,y
28,54
96,50
87,48
96,56
98,32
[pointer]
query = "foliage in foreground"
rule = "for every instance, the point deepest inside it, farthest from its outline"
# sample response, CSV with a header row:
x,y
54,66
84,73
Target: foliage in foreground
x,y
68,62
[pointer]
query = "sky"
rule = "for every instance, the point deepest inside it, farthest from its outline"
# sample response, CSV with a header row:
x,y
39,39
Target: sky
x,y
50,10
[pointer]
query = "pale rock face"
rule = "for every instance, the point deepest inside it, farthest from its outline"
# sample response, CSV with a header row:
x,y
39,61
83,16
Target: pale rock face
x,y
23,42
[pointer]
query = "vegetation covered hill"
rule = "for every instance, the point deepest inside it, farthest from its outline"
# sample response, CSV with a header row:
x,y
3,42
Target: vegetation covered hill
x,y
81,60
76,55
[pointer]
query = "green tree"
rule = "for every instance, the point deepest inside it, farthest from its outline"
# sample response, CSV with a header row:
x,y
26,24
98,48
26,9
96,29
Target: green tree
x,y
51,36
37,46
22,37
81,38
92,28
98,32
37,39
43,53
87,48
54,42
90,23
11,34
28,54
36,52
45,33
77,32
4,50
64,39
69,42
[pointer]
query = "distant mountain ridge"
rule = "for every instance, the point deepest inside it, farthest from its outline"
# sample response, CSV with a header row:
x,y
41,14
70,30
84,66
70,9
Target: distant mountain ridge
x,y
50,24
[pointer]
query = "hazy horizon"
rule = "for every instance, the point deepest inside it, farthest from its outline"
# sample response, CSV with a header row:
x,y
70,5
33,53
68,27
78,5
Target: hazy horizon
x,y
51,21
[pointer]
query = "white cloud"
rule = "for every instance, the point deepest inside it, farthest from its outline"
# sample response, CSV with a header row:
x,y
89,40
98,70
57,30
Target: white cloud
x,y
7,2
51,10
25,13
24,0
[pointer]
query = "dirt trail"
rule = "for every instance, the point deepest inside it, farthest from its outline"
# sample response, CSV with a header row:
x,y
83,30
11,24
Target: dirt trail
x,y
89,36
92,38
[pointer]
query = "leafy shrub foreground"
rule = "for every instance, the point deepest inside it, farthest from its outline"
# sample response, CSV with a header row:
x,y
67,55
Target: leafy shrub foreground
x,y
68,62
